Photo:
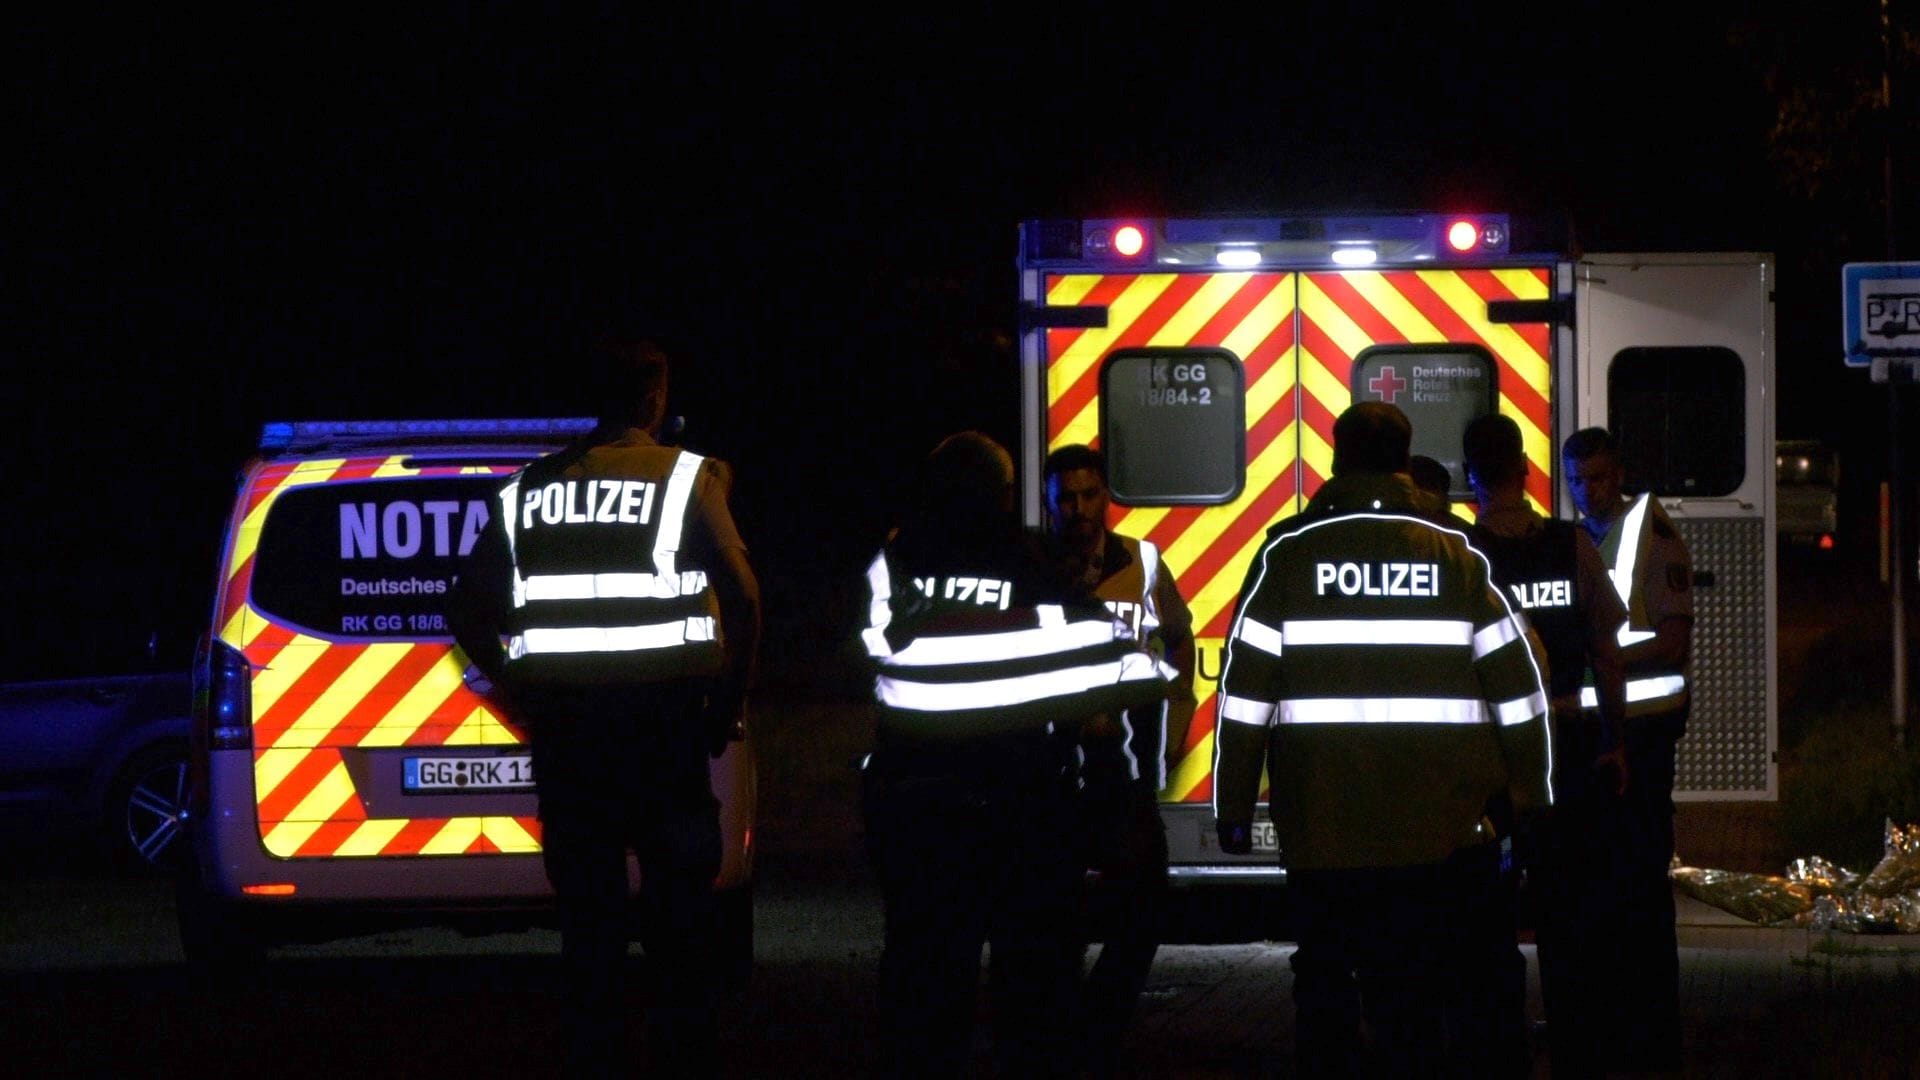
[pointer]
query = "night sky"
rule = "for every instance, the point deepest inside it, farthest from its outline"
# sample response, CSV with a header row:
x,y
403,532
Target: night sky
x,y
215,223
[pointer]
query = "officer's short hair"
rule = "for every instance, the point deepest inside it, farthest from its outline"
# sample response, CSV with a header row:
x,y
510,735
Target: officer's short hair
x,y
1589,442
968,474
1492,449
1371,437
622,374
1430,475
1076,456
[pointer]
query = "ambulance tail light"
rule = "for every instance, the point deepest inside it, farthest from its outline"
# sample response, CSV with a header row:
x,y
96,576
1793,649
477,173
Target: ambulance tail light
x,y
1481,235
222,697
1115,240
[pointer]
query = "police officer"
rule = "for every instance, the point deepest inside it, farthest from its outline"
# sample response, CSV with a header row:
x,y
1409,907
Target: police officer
x,y
1653,575
986,661
1432,477
632,618
1386,686
1127,756
1552,572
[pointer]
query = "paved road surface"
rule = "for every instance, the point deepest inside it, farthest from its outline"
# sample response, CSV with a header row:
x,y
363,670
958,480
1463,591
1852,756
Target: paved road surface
x,y
92,984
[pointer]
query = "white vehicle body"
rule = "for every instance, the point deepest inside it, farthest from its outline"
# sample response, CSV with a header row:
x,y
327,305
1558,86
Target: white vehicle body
x,y
345,774
1208,358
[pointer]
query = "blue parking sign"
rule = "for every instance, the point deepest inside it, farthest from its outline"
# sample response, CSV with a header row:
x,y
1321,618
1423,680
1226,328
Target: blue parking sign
x,y
1880,305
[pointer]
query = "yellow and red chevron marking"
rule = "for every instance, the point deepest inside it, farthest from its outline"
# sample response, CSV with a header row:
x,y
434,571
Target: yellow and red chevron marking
x,y
316,701
1207,548
1344,312
1296,335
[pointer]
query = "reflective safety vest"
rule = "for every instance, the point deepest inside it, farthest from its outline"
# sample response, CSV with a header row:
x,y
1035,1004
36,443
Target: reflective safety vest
x,y
958,653
1538,573
1129,594
1626,548
599,593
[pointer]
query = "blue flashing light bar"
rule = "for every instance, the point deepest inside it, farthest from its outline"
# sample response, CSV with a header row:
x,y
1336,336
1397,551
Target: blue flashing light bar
x,y
1291,242
302,435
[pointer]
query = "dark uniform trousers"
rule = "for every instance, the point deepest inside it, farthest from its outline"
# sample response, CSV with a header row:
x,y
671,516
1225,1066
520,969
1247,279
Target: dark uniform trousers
x,y
968,857
1418,952
620,769
1609,957
1127,845
1649,962
1575,881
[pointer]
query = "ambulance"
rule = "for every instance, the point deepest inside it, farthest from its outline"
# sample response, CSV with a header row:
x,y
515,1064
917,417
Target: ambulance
x,y
1208,358
346,775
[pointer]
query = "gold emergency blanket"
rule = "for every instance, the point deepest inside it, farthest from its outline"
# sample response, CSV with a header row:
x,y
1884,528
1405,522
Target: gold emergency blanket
x,y
1817,894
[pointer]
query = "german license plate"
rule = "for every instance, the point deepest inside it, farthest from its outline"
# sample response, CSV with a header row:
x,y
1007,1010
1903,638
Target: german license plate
x,y
441,775
1265,840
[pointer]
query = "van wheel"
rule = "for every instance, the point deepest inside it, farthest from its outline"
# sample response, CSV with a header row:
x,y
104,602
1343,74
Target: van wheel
x,y
146,809
214,937
735,935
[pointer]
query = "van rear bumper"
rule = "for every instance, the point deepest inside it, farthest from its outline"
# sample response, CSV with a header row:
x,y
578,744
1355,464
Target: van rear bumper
x,y
230,858
1212,897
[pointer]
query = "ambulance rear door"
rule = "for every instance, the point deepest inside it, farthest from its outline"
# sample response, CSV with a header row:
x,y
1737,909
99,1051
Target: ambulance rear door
x,y
1209,363
1675,357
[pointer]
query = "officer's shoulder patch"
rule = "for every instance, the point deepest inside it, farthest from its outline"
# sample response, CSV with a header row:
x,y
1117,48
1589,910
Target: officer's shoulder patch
x,y
1679,578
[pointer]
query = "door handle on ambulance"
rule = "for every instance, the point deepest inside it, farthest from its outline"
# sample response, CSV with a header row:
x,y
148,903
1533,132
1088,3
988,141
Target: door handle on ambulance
x,y
1681,504
1063,316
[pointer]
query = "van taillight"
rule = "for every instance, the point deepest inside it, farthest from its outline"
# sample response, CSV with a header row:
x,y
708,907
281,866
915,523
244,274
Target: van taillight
x,y
222,697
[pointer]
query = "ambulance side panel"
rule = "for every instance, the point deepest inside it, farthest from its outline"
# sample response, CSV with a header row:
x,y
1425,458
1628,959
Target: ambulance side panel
x,y
1675,356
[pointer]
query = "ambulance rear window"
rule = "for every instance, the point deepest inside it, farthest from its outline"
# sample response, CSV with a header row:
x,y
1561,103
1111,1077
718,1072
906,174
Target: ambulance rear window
x,y
1173,426
1678,414
1441,388
369,559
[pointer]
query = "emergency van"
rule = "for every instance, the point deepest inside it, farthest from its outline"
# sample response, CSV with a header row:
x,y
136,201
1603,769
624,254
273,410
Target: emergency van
x,y
346,774
1208,358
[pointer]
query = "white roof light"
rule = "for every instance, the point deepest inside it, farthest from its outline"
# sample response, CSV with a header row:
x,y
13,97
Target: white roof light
x,y
1238,257
1354,255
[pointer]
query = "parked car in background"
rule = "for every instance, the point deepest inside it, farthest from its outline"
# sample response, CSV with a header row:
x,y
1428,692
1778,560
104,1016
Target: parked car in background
x,y
1807,492
93,750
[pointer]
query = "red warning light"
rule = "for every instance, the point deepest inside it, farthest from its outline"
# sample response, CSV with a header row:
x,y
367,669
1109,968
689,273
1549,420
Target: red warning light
x,y
1826,541
1463,235
1128,240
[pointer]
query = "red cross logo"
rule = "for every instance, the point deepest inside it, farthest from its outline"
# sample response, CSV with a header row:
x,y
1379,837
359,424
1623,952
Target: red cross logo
x,y
1385,385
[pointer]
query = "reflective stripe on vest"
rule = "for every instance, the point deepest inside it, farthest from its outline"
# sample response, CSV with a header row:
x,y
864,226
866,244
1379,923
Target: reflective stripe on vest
x,y
1382,710
1308,632
1130,595
1624,548
1150,572
667,641
1623,563
1041,658
1129,591
1409,710
1663,691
